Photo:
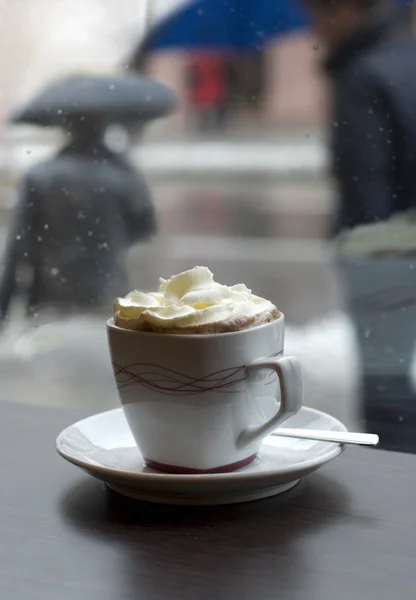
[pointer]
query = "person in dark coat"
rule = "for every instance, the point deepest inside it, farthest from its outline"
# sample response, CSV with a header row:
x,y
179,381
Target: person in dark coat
x,y
80,212
76,218
371,63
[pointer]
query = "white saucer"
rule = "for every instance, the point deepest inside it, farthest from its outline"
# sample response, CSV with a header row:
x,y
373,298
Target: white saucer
x,y
103,446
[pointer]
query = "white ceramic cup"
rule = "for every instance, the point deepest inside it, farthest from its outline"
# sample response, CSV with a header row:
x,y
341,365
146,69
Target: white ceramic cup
x,y
204,403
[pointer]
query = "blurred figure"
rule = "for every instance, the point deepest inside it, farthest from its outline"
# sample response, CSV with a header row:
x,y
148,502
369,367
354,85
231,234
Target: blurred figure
x,y
208,93
246,76
371,61
79,212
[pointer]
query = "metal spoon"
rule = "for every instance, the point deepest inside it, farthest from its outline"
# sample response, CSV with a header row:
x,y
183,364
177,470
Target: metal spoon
x,y
339,437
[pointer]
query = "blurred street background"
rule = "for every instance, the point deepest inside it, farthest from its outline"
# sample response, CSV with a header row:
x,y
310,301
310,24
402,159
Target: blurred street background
x,y
247,193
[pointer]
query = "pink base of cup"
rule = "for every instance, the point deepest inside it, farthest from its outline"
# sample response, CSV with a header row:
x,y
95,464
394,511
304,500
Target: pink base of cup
x,y
172,470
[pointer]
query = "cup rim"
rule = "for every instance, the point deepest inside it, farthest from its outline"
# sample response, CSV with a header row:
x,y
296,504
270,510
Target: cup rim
x,y
111,325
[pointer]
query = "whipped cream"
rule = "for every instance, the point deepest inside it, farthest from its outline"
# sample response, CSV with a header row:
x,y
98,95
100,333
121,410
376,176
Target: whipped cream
x,y
192,302
393,237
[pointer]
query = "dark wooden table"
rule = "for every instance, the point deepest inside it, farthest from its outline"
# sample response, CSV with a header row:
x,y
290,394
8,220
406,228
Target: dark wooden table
x,y
346,533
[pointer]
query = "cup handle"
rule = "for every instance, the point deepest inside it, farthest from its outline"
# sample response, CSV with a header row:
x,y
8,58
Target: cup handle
x,y
289,372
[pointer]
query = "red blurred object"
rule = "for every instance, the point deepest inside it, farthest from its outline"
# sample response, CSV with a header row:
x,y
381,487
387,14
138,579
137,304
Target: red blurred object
x,y
208,78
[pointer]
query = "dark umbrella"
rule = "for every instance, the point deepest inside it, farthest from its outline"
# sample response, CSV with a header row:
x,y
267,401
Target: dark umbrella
x,y
102,100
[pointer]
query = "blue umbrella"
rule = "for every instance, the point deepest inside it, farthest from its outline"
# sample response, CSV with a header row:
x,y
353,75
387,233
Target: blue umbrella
x,y
225,25
234,25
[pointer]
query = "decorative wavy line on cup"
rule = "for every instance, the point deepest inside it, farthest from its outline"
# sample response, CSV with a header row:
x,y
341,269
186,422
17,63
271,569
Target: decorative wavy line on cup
x,y
173,383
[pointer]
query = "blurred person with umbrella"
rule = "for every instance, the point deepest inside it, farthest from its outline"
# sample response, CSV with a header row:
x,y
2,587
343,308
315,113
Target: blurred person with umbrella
x,y
371,62
80,211
223,37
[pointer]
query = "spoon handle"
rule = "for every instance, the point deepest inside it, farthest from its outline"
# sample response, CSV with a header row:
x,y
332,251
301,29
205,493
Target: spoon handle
x,y
339,437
